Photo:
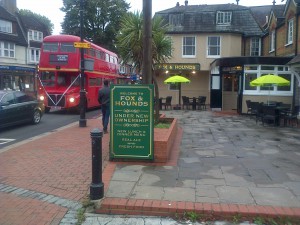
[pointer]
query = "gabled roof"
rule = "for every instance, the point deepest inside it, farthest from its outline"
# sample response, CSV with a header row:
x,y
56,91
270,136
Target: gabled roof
x,y
30,22
261,13
202,18
17,37
5,15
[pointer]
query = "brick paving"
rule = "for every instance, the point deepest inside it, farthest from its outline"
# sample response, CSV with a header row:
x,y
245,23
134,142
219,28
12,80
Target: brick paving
x,y
44,180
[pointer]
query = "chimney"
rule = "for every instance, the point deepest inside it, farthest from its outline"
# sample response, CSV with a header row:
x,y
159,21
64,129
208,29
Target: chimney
x,y
9,5
186,2
177,4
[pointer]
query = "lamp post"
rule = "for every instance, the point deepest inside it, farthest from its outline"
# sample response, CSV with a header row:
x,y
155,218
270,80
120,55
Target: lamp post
x,y
147,42
82,120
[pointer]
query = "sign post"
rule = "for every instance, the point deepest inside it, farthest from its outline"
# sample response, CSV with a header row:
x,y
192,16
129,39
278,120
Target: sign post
x,y
132,122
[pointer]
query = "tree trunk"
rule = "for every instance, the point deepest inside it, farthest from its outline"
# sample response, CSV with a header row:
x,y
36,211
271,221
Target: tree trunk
x,y
156,96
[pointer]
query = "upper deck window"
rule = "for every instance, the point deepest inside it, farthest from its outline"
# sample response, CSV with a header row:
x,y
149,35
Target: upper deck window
x,y
224,18
67,47
50,47
5,26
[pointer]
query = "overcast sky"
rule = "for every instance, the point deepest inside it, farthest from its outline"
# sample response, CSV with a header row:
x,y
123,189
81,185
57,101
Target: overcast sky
x,y
51,9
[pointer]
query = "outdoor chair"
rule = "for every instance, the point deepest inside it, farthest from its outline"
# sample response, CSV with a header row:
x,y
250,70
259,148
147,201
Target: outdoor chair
x,y
168,102
201,102
253,107
270,115
291,117
185,102
249,109
259,112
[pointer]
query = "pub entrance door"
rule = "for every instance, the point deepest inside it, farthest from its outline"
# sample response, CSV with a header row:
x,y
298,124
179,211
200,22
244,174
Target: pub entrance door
x,y
230,91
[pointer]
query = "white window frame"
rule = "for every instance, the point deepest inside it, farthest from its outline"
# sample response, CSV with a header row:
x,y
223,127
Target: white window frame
x,y
290,32
185,46
34,58
5,26
34,35
209,46
253,46
223,17
259,72
272,41
7,49
122,69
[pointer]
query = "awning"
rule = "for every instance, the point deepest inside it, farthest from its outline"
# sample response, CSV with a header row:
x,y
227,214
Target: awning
x,y
295,60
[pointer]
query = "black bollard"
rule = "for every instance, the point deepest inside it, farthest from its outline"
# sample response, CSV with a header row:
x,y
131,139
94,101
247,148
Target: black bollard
x,y
97,186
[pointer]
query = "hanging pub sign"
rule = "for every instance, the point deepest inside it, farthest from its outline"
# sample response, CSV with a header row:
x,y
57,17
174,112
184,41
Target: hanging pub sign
x,y
131,122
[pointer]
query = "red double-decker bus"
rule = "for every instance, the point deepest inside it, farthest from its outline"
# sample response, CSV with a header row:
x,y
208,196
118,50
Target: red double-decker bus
x,y
59,72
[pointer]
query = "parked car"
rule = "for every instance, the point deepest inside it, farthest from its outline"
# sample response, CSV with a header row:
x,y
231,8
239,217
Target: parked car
x,y
17,107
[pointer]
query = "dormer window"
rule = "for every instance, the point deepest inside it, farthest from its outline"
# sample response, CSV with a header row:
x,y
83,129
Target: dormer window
x,y
35,35
224,18
5,26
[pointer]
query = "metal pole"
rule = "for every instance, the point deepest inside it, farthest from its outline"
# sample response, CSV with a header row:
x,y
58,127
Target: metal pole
x,y
97,186
147,42
82,120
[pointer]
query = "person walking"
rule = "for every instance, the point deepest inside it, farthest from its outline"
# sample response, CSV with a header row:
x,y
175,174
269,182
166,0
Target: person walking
x,y
104,100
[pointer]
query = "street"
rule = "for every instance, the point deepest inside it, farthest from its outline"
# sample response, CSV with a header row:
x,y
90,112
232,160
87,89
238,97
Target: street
x,y
50,121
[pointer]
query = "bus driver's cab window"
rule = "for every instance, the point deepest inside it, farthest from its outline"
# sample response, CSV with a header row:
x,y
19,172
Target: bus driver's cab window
x,y
61,80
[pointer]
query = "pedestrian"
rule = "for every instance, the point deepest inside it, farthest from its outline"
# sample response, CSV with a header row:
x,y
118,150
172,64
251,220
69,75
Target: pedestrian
x,y
104,100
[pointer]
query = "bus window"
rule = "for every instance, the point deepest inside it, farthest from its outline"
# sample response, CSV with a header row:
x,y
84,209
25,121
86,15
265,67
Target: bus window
x,y
67,47
107,57
92,52
50,47
61,80
77,82
48,78
92,81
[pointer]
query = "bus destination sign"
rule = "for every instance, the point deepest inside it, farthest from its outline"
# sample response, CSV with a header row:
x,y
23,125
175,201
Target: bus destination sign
x,y
132,122
82,45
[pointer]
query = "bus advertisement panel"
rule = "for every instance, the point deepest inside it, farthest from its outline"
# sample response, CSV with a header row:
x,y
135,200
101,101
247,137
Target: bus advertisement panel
x,y
59,72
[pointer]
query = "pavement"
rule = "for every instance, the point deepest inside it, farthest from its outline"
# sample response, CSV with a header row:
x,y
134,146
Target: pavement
x,y
227,167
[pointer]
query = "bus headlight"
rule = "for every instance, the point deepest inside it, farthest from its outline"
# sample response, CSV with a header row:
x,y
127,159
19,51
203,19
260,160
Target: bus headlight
x,y
72,99
42,98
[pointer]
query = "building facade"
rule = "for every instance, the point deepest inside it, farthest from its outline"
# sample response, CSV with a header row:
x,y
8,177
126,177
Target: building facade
x,y
231,43
20,42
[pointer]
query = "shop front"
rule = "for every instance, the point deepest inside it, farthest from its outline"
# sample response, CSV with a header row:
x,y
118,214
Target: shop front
x,y
231,77
17,78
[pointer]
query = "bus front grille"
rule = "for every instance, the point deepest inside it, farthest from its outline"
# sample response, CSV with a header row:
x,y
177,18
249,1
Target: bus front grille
x,y
56,100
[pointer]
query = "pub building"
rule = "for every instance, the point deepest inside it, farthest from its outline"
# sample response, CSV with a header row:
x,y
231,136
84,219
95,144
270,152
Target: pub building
x,y
234,45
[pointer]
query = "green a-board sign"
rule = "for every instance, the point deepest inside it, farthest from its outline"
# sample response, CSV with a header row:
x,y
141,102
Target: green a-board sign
x,y
131,121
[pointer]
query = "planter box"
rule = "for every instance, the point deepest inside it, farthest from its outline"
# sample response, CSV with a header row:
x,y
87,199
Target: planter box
x,y
163,140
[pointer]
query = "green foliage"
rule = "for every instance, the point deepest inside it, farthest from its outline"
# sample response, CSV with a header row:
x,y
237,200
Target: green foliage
x,y
101,20
162,125
42,19
192,216
130,40
80,216
236,218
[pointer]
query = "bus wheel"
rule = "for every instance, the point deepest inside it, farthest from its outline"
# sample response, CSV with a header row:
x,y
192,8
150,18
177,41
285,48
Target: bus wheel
x,y
36,117
47,109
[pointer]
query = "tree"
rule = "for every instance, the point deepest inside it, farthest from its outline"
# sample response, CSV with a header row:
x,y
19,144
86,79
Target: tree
x,y
130,45
40,18
102,20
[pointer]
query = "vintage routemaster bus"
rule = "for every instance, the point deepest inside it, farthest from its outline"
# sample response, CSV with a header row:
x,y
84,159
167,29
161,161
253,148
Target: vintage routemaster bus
x,y
59,72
